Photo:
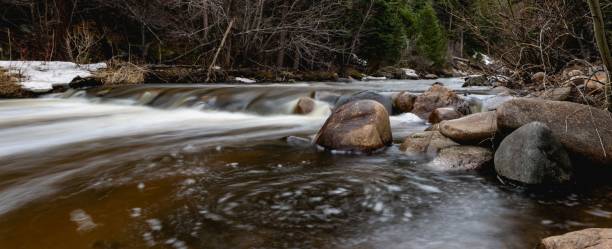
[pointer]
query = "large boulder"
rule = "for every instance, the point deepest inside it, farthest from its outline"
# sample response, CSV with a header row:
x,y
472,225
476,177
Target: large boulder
x,y
584,131
592,238
370,95
427,143
361,125
532,155
461,158
437,96
403,102
471,129
444,113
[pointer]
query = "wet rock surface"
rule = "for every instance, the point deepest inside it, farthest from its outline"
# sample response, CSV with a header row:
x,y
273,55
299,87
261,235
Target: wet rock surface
x,y
403,102
593,238
445,113
532,155
356,126
462,158
436,97
472,129
304,105
584,131
427,143
367,95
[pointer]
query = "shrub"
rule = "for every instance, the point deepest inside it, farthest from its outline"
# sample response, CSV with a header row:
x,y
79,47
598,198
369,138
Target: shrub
x,y
122,73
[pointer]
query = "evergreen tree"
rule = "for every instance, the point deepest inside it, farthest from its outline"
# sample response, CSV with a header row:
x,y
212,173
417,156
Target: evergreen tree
x,y
384,34
431,39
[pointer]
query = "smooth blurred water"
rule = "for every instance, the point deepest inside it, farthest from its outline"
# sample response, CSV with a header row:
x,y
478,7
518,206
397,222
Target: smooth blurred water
x,y
210,166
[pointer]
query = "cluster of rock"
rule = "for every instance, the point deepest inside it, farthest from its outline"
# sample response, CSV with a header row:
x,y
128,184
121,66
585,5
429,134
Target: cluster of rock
x,y
526,140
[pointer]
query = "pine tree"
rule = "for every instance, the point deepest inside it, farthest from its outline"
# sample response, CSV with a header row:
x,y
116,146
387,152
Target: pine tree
x,y
431,39
384,34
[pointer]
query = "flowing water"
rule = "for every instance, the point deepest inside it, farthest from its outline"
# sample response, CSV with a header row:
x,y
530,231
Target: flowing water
x,y
224,166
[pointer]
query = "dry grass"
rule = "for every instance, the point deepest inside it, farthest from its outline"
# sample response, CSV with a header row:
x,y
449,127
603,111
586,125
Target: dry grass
x,y
10,88
122,73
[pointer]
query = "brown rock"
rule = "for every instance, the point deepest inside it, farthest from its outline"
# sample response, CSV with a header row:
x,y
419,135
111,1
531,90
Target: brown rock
x,y
471,129
461,158
592,238
403,102
431,76
437,96
361,125
558,94
597,81
538,77
444,113
304,105
584,131
426,143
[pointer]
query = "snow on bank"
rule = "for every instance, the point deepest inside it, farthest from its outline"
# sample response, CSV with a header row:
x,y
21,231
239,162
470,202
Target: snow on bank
x,y
41,76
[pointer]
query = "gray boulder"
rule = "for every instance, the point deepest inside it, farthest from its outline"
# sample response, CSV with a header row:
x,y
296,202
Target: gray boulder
x,y
532,155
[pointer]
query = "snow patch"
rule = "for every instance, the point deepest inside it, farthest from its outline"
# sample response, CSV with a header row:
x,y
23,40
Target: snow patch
x,y
373,78
410,73
245,80
41,76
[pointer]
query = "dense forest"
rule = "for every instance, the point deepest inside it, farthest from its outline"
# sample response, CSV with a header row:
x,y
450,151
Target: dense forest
x,y
327,34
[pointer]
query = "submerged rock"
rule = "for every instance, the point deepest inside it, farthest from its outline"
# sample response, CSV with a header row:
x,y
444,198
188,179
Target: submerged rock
x,y
369,95
460,158
444,113
532,155
584,131
592,238
437,96
425,143
471,129
403,102
356,126
304,105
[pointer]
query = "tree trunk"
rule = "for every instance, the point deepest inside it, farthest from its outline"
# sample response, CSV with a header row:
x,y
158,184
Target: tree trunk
x,y
602,44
